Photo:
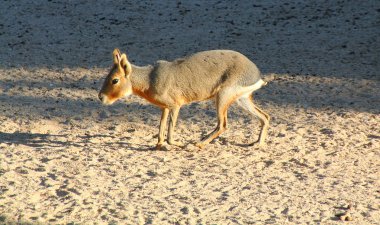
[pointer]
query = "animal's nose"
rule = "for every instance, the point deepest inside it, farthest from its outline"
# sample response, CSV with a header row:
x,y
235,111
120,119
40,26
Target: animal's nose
x,y
100,96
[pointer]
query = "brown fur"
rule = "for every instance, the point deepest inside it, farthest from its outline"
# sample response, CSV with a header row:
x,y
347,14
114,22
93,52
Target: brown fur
x,y
221,74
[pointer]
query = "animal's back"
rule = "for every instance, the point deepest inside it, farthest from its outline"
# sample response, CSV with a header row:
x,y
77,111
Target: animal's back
x,y
201,75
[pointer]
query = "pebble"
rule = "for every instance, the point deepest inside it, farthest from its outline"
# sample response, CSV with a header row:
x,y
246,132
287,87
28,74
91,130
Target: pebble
x,y
104,114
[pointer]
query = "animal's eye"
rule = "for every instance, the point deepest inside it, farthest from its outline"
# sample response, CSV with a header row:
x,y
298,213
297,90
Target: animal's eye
x,y
115,81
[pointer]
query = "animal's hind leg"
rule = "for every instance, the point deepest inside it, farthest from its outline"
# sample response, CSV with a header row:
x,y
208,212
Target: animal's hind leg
x,y
222,104
246,103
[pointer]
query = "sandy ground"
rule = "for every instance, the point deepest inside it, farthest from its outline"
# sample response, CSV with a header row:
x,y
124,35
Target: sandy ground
x,y
65,158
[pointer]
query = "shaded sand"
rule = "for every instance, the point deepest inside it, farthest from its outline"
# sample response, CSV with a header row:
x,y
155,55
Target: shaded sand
x,y
65,158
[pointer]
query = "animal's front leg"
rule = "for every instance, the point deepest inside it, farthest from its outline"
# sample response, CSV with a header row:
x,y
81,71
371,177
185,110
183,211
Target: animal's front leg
x,y
172,123
163,122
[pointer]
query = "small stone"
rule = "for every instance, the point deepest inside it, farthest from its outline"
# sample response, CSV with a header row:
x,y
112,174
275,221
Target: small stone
x,y
301,131
346,217
104,114
185,210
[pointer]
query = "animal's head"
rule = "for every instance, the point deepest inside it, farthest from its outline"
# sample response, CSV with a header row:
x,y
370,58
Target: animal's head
x,y
118,83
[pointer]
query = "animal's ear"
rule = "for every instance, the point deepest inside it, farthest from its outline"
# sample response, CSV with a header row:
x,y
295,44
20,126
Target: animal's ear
x,y
116,56
124,63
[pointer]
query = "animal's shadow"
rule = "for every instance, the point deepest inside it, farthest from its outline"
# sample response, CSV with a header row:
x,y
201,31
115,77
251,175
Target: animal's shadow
x,y
41,141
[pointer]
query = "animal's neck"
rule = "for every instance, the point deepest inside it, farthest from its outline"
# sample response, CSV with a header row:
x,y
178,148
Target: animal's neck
x,y
140,79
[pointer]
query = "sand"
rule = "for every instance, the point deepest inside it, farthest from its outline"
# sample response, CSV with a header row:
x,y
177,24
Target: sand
x,y
66,159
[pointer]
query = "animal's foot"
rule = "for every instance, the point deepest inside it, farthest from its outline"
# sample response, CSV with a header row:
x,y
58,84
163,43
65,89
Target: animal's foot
x,y
200,145
159,146
176,143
